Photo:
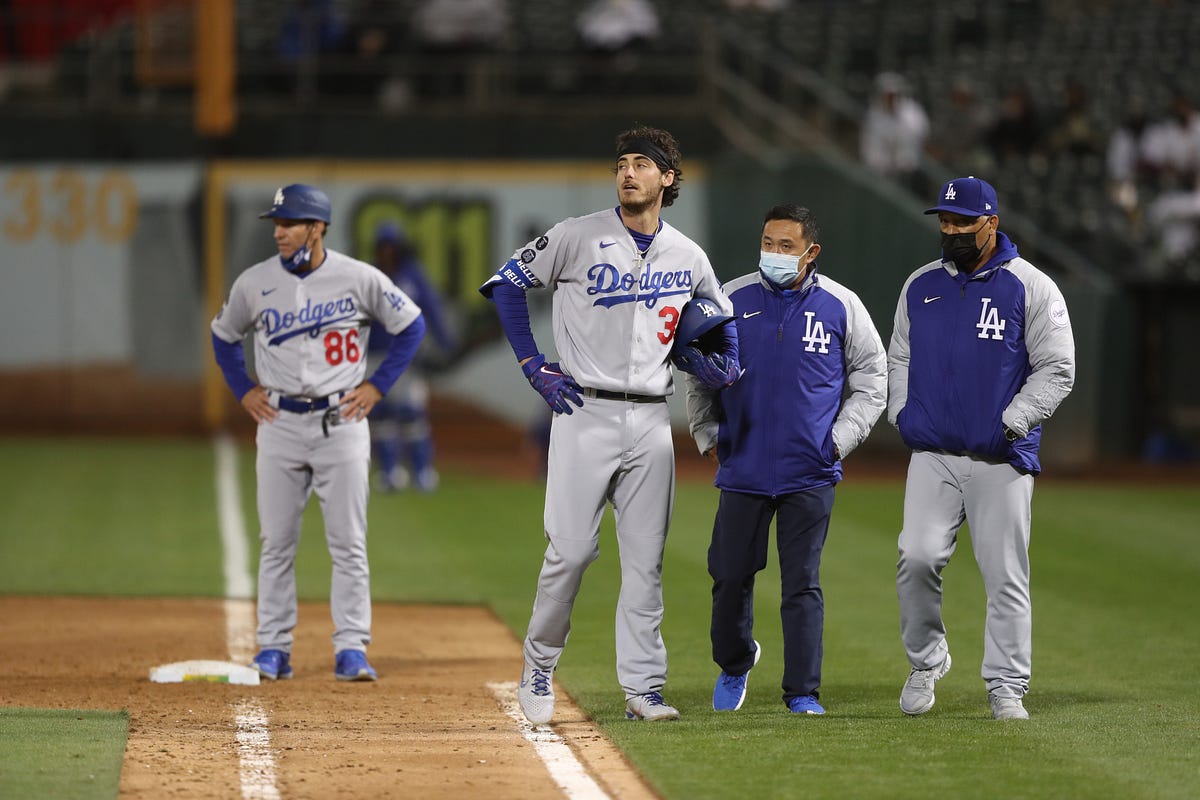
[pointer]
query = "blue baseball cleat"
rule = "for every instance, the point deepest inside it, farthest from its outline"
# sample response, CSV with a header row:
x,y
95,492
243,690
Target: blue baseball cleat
x,y
273,665
805,704
730,690
351,665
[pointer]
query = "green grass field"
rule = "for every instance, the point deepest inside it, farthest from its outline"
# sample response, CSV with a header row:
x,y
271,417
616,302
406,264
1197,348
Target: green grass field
x,y
1116,587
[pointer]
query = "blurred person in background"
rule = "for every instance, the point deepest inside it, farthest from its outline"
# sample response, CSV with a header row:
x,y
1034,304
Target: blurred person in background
x,y
894,130
401,433
1074,131
446,31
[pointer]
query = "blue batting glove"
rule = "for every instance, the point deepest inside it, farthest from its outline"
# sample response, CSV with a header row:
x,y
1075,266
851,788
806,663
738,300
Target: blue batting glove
x,y
554,385
715,371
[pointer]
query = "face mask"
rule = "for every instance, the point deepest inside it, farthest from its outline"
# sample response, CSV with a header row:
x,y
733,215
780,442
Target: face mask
x,y
300,258
961,248
780,268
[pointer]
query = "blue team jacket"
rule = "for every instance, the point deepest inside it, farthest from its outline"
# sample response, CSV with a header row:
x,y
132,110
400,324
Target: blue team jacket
x,y
967,339
799,349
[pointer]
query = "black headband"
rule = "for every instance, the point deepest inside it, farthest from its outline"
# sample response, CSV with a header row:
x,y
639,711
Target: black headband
x,y
647,148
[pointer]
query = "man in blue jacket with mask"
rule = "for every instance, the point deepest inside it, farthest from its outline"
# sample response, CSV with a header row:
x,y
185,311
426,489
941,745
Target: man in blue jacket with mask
x,y
779,436
981,353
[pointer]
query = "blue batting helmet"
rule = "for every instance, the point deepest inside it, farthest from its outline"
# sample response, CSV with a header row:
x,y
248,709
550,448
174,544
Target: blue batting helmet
x,y
699,316
389,232
299,201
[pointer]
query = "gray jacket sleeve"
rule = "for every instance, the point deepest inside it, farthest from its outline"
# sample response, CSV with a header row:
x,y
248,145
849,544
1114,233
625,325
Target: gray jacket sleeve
x,y
897,356
702,419
866,377
1050,345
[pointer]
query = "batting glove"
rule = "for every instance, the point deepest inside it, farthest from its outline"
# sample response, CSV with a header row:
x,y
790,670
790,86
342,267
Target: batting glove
x,y
715,371
554,385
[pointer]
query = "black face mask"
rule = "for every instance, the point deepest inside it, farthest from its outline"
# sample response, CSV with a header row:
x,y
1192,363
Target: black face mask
x,y
961,248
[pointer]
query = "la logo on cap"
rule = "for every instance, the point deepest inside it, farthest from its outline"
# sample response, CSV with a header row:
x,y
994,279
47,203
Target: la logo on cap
x,y
950,193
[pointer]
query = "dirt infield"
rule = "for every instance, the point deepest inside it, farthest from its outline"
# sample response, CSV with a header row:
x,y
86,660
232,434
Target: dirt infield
x,y
430,727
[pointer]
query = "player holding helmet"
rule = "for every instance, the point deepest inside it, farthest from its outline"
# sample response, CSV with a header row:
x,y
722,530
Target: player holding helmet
x,y
619,278
308,310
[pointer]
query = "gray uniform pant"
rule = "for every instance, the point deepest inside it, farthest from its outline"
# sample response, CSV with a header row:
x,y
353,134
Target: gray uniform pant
x,y
295,459
994,499
619,452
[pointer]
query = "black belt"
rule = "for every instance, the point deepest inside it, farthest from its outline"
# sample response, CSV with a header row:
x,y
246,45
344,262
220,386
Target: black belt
x,y
305,405
605,394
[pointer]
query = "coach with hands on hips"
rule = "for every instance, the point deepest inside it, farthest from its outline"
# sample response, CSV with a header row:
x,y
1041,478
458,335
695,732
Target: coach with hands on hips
x,y
779,436
309,309
981,353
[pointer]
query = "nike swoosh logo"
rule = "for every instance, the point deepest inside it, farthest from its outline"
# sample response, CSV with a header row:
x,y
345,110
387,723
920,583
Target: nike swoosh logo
x,y
606,244
266,292
750,314
931,299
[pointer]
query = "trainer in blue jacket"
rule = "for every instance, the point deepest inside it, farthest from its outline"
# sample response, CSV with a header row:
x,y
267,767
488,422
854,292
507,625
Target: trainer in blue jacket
x,y
779,436
981,354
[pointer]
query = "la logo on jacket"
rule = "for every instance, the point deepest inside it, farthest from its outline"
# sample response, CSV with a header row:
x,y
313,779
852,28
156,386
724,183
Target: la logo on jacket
x,y
989,321
814,334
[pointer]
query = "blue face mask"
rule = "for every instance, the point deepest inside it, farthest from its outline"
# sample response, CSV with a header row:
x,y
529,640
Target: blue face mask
x,y
780,268
299,259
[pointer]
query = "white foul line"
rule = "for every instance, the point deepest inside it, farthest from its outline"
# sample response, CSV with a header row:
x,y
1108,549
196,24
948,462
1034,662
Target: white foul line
x,y
254,749
257,763
564,768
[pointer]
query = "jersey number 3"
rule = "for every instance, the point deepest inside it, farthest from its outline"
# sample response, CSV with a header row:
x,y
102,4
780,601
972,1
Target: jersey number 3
x,y
340,348
670,315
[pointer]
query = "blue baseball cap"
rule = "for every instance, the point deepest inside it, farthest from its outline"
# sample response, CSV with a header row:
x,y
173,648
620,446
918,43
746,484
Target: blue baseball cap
x,y
968,196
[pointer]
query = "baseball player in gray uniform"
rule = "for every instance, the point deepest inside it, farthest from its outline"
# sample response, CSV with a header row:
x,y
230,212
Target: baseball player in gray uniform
x,y
981,354
309,310
620,278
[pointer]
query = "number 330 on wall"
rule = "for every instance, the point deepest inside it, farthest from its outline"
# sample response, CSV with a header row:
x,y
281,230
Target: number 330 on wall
x,y
67,204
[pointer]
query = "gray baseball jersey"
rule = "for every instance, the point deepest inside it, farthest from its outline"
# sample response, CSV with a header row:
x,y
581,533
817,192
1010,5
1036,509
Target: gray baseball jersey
x,y
615,309
614,316
310,341
310,332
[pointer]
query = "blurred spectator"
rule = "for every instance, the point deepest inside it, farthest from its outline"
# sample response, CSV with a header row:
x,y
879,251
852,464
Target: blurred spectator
x,y
612,25
1173,144
378,33
1127,162
617,31
1074,131
957,140
446,30
894,130
1017,131
310,28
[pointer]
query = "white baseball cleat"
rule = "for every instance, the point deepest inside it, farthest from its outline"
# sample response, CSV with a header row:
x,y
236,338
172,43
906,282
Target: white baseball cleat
x,y
535,694
650,707
1007,707
917,695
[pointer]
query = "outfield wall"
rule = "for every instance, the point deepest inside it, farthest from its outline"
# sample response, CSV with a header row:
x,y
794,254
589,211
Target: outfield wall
x,y
112,273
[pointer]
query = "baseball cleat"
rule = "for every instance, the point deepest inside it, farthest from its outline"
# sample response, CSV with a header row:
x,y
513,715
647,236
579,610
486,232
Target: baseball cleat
x,y
805,704
917,695
535,694
273,665
650,707
1007,707
351,665
730,691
